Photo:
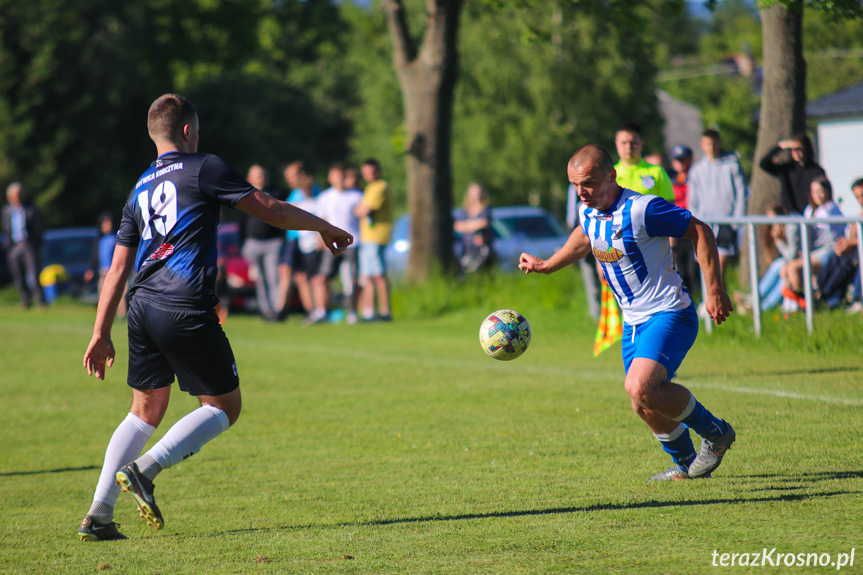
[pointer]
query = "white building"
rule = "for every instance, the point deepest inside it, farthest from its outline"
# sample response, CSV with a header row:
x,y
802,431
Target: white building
x,y
839,140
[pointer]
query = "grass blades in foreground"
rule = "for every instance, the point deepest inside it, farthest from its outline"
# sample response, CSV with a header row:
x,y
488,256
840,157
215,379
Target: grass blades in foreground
x,y
401,448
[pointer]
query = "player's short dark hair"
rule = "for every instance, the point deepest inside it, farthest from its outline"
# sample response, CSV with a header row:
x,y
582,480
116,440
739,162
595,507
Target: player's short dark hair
x,y
337,166
373,163
167,116
105,216
630,127
858,183
824,183
712,134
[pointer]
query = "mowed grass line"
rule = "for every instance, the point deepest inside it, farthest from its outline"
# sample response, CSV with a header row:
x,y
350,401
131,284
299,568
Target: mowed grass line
x,y
401,448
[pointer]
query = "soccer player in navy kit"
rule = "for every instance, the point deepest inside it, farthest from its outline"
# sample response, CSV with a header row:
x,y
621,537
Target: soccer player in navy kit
x,y
168,234
628,233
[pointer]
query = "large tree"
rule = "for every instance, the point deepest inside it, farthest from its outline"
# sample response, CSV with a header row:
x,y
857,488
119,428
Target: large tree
x,y
783,100
783,96
427,73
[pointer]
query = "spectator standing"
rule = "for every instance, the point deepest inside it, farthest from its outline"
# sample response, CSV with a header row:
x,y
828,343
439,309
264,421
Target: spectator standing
x,y
684,253
262,247
717,188
22,229
473,226
795,175
376,223
336,204
587,264
103,254
633,172
291,271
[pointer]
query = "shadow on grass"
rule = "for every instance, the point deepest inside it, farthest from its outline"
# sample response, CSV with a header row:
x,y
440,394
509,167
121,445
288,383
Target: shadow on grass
x,y
810,477
553,511
41,471
781,372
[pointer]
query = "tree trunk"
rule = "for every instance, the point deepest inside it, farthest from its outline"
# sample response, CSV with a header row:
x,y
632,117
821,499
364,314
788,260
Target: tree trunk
x,y
427,78
783,97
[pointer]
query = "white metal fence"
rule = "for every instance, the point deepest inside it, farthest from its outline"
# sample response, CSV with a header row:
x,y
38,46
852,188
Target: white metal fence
x,y
748,223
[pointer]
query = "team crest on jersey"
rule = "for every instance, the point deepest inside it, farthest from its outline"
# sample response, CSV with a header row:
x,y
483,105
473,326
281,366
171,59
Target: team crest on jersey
x,y
616,232
163,252
648,182
606,253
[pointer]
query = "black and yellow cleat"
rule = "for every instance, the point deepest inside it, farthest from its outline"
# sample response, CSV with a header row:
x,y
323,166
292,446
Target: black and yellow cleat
x,y
141,489
92,530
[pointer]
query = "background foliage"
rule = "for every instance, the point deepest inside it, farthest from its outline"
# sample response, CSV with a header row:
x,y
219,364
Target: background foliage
x,y
313,80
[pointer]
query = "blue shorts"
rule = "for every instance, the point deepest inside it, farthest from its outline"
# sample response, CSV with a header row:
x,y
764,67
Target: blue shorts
x,y
372,261
666,337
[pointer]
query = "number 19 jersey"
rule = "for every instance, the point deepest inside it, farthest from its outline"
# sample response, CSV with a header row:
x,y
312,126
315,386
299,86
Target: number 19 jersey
x,y
172,216
630,241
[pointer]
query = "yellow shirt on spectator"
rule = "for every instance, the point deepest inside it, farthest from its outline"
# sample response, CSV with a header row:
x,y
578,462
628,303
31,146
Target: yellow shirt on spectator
x,y
377,227
645,178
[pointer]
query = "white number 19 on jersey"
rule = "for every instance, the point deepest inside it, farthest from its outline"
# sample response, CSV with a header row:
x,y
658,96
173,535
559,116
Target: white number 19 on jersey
x,y
160,210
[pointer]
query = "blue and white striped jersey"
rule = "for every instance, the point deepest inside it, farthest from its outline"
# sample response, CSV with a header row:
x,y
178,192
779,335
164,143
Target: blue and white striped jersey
x,y
630,240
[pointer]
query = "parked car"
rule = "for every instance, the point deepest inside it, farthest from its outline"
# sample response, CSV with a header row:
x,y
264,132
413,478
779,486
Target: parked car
x,y
237,287
515,229
72,249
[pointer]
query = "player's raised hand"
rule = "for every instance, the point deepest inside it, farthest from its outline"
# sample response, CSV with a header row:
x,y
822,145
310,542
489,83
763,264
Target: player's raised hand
x,y
100,353
528,263
337,240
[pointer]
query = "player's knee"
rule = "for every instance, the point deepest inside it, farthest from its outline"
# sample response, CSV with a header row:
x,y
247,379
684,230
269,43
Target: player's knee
x,y
641,393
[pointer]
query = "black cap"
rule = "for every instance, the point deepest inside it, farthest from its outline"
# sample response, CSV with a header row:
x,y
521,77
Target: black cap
x,y
679,152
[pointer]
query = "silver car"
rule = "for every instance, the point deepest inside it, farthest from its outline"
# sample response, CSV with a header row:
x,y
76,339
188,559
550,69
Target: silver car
x,y
515,229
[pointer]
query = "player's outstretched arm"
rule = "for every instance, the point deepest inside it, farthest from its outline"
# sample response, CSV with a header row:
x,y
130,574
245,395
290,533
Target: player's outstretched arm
x,y
288,217
575,248
100,352
716,300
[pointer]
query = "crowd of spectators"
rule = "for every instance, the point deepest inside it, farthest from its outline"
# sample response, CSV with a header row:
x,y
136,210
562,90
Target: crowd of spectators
x,y
715,186
295,262
294,266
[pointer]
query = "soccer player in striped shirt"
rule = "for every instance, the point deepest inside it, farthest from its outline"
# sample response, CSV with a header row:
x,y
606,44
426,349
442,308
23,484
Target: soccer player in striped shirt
x,y
628,233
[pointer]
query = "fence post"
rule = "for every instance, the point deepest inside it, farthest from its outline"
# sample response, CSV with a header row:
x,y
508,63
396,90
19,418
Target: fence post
x,y
753,278
807,276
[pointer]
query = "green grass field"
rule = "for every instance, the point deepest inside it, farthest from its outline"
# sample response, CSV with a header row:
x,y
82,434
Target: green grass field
x,y
401,448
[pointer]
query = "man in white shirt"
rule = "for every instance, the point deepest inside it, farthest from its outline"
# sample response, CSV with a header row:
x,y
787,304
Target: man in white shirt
x,y
337,205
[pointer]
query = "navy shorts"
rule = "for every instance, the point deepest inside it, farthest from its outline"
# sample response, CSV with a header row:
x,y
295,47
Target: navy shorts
x,y
726,240
666,338
186,343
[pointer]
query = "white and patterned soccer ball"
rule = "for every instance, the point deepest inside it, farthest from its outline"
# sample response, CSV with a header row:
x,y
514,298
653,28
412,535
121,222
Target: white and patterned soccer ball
x,y
504,334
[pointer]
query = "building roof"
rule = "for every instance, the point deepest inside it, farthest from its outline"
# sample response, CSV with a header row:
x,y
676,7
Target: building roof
x,y
847,102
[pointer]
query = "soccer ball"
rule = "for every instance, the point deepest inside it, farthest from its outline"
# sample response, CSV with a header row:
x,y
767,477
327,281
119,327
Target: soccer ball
x,y
504,334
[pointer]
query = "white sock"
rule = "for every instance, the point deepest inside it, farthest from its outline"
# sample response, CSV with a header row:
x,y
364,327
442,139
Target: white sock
x,y
127,442
184,439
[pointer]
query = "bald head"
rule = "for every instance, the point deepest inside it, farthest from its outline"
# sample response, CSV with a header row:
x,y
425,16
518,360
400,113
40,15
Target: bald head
x,y
591,171
592,157
15,193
